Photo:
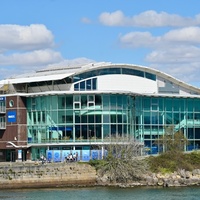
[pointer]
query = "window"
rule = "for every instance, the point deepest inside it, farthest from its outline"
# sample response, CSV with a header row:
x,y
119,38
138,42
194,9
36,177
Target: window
x,y
90,84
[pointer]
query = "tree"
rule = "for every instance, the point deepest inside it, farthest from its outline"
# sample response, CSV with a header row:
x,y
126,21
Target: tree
x,y
172,141
123,162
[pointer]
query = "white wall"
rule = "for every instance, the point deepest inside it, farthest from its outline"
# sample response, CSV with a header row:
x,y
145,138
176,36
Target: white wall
x,y
126,83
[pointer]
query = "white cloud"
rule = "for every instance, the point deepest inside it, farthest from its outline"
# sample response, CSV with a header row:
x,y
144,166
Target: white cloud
x,y
184,35
33,58
148,18
86,20
137,39
189,36
177,52
33,37
26,48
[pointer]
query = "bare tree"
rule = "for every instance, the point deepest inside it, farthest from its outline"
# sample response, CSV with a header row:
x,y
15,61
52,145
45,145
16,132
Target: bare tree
x,y
172,141
123,162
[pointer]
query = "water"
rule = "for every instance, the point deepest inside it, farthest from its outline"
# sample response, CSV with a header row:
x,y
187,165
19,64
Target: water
x,y
104,193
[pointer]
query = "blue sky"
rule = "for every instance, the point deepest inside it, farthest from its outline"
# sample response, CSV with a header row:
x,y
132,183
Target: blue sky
x,y
165,35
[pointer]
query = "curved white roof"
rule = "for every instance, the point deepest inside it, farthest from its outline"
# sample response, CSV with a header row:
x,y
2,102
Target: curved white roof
x,y
60,73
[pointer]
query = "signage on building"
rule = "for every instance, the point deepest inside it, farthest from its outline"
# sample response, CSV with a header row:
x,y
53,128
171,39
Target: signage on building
x,y
2,98
11,116
19,154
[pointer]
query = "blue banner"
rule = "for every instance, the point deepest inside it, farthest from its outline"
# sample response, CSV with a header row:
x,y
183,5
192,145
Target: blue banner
x,y
11,116
85,155
56,156
95,154
49,155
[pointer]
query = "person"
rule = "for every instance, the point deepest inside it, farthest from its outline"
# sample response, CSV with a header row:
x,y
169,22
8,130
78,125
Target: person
x,y
42,159
70,157
74,157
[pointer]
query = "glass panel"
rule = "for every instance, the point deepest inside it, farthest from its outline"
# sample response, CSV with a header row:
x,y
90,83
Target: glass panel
x,y
77,117
147,118
168,104
90,118
176,104
54,102
119,102
94,83
61,117
119,118
82,85
98,131
113,130
150,76
77,87
146,104
76,98
106,101
69,102
61,102
196,105
106,131
84,131
176,118
197,133
83,118
91,98
88,84
113,118
98,118
98,100
69,116
113,102
160,104
168,118
83,101
190,133
190,105
106,118
154,118
133,72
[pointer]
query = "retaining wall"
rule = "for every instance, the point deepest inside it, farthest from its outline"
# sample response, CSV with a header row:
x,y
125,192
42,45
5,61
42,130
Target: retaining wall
x,y
46,175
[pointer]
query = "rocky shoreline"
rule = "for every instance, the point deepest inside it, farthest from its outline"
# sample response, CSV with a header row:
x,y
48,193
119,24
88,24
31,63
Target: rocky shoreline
x,y
176,179
83,175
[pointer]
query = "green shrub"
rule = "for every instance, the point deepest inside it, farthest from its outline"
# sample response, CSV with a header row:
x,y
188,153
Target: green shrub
x,y
97,163
172,161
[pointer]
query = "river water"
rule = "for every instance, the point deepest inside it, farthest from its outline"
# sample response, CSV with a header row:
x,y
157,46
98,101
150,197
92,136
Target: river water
x,y
104,193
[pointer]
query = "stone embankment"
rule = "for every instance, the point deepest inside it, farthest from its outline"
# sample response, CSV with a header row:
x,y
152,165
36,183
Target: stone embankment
x,y
34,175
179,178
15,175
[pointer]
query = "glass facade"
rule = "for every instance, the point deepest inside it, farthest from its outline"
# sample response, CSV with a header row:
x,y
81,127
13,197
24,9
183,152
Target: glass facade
x,y
86,118
154,116
78,118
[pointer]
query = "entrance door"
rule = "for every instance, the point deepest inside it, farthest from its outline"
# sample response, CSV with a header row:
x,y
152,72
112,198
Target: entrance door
x,y
12,156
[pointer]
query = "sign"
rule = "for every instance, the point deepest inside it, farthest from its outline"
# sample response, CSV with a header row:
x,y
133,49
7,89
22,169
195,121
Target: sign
x,y
19,154
2,98
11,116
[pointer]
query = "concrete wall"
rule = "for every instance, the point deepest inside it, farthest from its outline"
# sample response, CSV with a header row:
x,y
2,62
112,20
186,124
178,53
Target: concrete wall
x,y
46,175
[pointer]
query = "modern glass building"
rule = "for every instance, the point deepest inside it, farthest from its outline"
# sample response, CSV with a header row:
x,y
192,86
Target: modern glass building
x,y
75,109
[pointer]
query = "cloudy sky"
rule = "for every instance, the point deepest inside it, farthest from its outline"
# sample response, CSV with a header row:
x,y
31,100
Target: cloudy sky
x,y
35,34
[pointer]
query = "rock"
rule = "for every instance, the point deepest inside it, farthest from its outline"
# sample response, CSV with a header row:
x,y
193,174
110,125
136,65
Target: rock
x,y
188,175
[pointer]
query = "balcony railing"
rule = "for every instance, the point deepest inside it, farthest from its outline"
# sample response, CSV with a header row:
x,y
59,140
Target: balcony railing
x,y
2,109
2,125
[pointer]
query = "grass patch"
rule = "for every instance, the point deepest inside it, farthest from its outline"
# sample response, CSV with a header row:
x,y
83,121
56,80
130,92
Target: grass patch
x,y
172,161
